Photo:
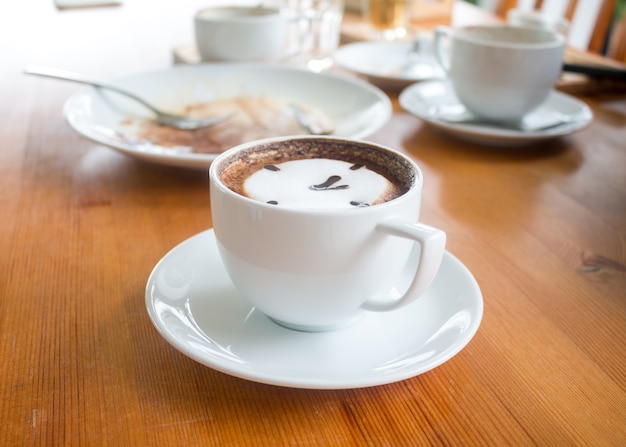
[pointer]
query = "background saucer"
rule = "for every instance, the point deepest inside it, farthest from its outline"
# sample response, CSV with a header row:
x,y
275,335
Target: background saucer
x,y
356,108
421,99
387,64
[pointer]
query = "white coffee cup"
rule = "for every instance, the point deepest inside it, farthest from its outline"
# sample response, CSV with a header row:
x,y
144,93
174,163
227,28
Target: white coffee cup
x,y
501,73
537,20
241,33
317,268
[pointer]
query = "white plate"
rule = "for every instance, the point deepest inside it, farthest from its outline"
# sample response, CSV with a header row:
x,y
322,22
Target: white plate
x,y
425,98
195,307
386,64
356,108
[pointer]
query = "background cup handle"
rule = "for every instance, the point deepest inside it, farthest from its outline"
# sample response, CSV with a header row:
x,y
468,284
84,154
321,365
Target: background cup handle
x,y
432,242
442,33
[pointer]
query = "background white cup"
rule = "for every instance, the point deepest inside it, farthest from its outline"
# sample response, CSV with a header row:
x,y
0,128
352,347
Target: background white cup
x,y
241,33
537,20
320,269
500,72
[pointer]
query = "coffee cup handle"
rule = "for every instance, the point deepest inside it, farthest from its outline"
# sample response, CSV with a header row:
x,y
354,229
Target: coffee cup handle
x,y
442,33
432,242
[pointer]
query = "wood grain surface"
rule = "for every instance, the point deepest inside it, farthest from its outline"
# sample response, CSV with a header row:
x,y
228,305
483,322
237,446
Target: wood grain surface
x,y
542,228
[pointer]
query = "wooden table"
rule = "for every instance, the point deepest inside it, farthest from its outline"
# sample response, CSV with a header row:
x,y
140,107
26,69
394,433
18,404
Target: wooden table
x,y
543,230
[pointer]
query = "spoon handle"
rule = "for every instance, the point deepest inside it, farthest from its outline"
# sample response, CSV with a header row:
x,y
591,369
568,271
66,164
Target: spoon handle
x,y
596,71
64,75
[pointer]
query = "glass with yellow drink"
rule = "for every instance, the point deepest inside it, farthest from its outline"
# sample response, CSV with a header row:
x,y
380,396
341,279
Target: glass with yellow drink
x,y
388,18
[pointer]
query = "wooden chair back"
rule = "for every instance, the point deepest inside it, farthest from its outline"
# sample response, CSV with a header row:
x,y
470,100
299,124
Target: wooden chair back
x,y
593,25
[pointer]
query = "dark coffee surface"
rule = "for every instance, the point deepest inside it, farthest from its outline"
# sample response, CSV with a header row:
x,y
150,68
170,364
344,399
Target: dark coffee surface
x,y
235,170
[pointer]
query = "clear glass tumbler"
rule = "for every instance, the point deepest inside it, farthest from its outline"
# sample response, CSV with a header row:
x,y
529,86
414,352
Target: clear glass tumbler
x,y
316,30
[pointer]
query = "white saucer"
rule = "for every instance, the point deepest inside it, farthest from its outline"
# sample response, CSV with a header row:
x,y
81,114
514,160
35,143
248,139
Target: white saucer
x,y
427,98
386,64
356,108
195,307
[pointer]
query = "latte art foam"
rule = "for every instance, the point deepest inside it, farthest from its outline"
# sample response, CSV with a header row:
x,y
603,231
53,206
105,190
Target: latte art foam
x,y
318,183
322,173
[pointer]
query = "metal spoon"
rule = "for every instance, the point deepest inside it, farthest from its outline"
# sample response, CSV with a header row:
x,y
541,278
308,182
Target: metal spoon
x,y
520,126
163,118
307,123
458,114
413,56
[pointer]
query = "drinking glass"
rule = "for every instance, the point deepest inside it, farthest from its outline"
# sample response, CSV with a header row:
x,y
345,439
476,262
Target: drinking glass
x,y
388,19
316,29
